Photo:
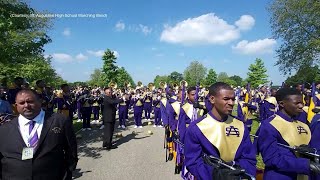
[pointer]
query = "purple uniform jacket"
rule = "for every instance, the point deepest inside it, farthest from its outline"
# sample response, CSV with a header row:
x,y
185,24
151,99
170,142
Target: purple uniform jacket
x,y
164,115
196,144
280,162
173,122
268,109
182,123
314,142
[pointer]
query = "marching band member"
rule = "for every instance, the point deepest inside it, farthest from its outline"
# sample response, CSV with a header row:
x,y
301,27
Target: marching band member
x,y
157,112
123,112
218,134
269,106
86,104
137,108
97,100
147,105
64,102
284,128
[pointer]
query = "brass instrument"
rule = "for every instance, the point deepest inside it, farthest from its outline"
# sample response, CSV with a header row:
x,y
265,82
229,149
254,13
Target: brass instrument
x,y
151,87
113,85
163,85
139,85
183,82
175,86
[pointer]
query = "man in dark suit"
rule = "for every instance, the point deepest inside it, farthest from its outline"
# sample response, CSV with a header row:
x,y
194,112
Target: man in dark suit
x,y
37,145
109,116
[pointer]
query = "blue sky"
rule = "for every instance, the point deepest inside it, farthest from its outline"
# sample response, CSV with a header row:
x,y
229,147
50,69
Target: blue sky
x,y
158,37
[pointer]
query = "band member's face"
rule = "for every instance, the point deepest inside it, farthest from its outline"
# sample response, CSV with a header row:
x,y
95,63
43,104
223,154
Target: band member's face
x,y
292,105
299,87
108,92
28,105
223,101
192,95
263,89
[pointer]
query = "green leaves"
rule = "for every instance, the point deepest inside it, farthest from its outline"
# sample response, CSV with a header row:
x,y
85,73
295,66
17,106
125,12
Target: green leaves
x,y
257,73
194,73
297,24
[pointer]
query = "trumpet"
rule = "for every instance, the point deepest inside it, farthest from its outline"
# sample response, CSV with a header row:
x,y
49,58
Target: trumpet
x,y
183,83
139,85
163,85
113,85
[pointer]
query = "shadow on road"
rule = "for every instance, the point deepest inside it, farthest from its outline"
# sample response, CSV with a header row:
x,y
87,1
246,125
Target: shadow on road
x,y
129,137
78,173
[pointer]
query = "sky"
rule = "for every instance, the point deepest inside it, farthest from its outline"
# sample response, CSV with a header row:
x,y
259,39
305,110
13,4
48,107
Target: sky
x,y
157,37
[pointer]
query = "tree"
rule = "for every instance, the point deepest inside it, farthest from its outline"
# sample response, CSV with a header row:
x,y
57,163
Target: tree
x,y
21,38
96,78
194,73
257,73
297,24
306,74
237,79
109,66
124,77
222,77
159,79
175,77
211,78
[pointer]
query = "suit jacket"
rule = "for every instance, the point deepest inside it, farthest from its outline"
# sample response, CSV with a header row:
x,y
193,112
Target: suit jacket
x,y
54,158
110,109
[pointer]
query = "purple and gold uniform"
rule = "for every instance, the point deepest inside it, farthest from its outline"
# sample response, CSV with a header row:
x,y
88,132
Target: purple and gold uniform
x,y
280,162
137,110
157,112
228,139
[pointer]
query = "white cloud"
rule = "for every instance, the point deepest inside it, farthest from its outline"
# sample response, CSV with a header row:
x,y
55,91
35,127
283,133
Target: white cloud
x,y
120,26
153,49
261,46
246,22
145,29
116,54
81,57
66,32
205,29
98,53
158,68
61,57
159,55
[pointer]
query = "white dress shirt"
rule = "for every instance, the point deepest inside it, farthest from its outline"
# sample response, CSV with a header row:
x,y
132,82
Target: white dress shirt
x,y
24,124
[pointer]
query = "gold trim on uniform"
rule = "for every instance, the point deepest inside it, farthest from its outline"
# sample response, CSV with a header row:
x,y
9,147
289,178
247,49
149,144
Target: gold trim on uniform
x,y
123,103
139,103
225,136
294,133
176,107
272,100
188,109
147,100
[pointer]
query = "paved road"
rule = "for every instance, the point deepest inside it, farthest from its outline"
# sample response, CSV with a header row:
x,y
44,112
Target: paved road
x,y
138,156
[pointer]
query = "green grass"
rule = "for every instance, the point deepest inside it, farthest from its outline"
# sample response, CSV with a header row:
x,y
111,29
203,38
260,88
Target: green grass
x,y
255,125
76,125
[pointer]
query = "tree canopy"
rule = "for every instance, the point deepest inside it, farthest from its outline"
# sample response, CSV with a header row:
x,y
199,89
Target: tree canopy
x,y
194,73
306,74
257,73
296,24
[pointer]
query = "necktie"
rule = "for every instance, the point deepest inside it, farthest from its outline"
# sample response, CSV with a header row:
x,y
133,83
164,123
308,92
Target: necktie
x,y
34,139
